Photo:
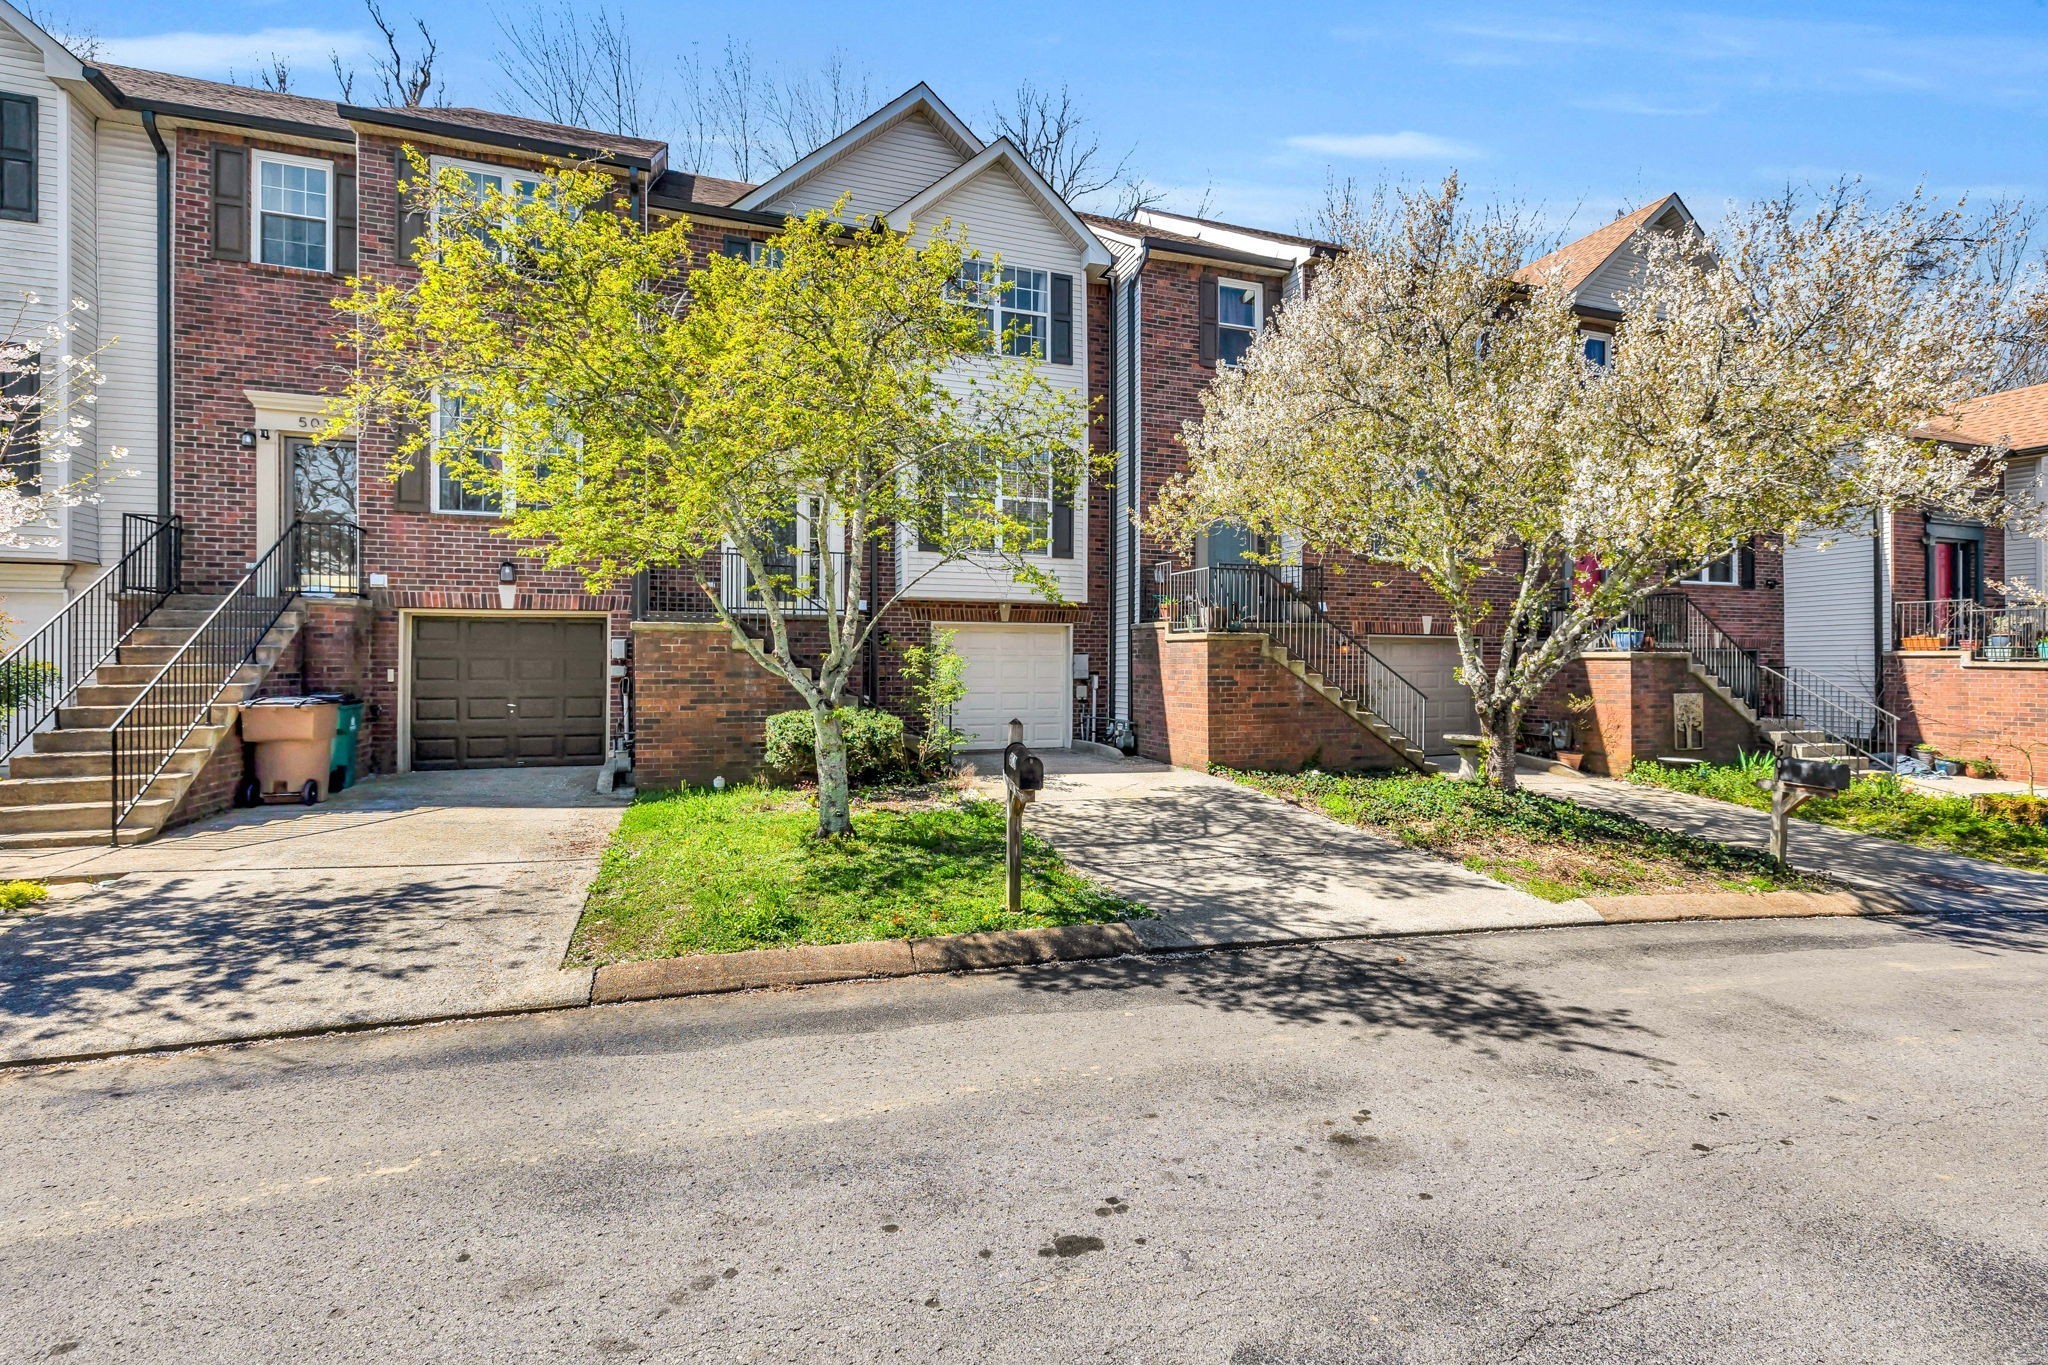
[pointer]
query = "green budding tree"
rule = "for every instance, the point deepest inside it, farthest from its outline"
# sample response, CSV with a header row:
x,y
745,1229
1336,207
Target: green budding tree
x,y
771,419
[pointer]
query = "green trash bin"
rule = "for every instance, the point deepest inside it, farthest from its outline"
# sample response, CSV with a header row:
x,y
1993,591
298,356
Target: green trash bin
x,y
348,727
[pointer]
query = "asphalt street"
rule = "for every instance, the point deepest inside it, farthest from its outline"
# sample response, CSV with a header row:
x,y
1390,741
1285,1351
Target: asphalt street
x,y
1756,1141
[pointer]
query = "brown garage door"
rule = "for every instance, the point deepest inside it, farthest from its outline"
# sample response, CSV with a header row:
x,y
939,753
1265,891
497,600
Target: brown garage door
x,y
492,692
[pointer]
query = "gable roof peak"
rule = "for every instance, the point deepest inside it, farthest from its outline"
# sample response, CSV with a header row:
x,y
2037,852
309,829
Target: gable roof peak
x,y
918,99
1576,261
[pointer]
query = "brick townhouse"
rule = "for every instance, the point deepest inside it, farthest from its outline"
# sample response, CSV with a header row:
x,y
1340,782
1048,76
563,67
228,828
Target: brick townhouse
x,y
214,226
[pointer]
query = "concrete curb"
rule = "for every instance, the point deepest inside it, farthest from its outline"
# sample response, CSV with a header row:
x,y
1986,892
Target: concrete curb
x,y
714,973
1664,909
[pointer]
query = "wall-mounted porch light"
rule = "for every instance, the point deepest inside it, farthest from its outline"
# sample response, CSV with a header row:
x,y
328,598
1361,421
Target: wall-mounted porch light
x,y
246,440
508,584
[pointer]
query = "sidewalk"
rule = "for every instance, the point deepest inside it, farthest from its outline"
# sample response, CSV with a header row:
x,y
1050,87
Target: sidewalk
x,y
1939,883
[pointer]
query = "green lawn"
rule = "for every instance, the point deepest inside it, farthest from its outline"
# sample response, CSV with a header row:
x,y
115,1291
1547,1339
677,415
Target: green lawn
x,y
715,872
1550,848
1880,805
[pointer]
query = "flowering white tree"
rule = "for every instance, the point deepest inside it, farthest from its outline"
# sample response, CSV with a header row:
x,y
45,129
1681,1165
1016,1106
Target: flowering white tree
x,y
47,393
1421,407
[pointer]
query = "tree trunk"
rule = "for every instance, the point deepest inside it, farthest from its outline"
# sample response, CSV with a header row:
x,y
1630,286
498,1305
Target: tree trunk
x,y
835,801
1500,728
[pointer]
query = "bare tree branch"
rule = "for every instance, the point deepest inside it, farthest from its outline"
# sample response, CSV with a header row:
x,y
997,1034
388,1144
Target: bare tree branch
x,y
739,118
404,80
1056,138
568,64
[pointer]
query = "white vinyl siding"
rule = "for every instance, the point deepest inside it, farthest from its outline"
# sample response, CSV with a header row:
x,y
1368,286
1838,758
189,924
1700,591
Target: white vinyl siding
x,y
126,411
1830,627
1003,220
2023,554
881,172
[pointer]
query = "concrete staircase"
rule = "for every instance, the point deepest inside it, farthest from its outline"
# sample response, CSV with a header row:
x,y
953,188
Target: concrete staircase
x,y
59,791
1404,748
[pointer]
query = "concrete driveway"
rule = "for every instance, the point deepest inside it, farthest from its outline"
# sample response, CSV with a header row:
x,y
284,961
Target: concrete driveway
x,y
405,898
1223,865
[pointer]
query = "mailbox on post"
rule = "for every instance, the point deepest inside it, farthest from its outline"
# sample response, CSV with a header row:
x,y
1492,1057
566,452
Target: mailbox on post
x,y
1023,777
1795,782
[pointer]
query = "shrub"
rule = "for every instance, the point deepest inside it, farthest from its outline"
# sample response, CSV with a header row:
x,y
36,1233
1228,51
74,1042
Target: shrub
x,y
874,746
26,680
19,895
2014,808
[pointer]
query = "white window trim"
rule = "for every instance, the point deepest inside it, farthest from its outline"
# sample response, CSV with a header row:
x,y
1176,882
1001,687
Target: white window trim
x,y
1698,577
257,159
510,175
994,303
1258,292
499,513
1604,338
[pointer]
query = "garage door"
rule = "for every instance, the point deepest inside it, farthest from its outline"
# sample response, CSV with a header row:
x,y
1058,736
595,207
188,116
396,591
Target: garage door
x,y
1014,673
498,692
1431,664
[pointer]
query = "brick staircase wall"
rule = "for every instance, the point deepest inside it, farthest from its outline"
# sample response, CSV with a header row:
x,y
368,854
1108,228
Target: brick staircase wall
x,y
1218,698
699,704
1631,717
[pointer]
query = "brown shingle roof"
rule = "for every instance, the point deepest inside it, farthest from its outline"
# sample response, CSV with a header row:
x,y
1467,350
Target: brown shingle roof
x,y
1576,261
692,188
1183,242
511,125
2016,419
163,88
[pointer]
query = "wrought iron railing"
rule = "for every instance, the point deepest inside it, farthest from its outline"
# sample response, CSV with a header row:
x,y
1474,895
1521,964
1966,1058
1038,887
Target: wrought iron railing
x,y
180,697
329,555
43,672
796,582
1673,620
1250,597
1936,623
1803,700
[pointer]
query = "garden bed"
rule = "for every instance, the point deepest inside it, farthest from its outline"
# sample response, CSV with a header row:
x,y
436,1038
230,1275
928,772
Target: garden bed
x,y
700,871
1553,849
1880,806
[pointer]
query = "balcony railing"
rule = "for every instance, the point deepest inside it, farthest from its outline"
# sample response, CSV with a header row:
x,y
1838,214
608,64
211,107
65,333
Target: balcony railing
x,y
1995,634
795,582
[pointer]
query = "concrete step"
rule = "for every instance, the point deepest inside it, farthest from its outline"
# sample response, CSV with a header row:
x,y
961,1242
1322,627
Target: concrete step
x,y
97,790
101,717
81,817
99,762
35,841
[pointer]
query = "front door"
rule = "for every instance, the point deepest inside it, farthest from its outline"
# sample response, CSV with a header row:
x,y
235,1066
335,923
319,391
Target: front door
x,y
321,487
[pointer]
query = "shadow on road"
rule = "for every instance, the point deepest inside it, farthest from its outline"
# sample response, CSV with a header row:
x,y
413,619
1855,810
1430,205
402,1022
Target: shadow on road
x,y
1425,987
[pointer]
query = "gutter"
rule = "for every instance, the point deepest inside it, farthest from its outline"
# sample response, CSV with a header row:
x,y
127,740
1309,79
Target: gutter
x,y
262,123
491,137
1203,251
163,316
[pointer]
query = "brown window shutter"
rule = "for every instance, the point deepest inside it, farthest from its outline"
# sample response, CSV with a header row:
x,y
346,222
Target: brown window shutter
x,y
344,222
412,217
20,144
1062,319
230,204
1745,566
1062,521
410,492
1207,312
736,245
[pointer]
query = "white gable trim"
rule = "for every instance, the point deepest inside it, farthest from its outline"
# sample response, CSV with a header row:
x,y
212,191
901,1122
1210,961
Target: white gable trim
x,y
918,99
1002,152
1664,208
58,62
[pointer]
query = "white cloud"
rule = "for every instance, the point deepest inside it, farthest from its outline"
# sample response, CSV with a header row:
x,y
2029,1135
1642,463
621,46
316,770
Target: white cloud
x,y
1406,146
214,54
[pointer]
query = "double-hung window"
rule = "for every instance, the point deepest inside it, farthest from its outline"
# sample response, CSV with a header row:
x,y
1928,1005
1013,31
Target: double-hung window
x,y
1237,319
1014,305
455,424
294,207
1021,492
483,181
1726,571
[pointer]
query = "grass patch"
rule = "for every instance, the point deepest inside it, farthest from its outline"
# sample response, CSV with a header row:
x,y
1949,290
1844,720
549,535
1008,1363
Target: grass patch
x,y
20,895
1880,805
701,871
1553,849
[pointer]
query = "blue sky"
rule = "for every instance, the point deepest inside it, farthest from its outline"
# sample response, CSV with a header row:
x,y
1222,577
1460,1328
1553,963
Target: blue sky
x,y
1571,114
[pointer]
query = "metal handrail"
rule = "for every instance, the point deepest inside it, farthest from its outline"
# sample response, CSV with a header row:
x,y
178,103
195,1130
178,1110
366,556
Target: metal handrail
x,y
45,671
1948,620
1805,700
1672,620
1232,597
151,729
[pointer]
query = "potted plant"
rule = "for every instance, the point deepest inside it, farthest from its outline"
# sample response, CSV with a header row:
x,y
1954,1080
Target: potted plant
x,y
1998,644
1627,639
1166,610
1572,752
1921,643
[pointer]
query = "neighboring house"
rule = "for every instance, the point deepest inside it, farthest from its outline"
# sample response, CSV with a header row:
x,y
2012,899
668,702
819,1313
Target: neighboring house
x,y
1904,612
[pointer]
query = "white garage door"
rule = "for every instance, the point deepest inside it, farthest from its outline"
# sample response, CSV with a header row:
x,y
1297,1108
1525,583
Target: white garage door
x,y
1014,673
1430,663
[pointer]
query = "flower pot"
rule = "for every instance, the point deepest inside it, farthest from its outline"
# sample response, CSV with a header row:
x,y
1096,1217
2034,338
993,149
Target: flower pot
x,y
1628,639
1998,649
2041,649
1571,758
1921,643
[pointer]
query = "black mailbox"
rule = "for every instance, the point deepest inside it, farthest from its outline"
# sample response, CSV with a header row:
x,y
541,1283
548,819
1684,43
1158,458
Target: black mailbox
x,y
1814,774
1024,769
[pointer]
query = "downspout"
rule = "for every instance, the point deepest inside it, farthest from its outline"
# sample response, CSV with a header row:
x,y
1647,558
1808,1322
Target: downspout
x,y
1110,606
1880,634
163,316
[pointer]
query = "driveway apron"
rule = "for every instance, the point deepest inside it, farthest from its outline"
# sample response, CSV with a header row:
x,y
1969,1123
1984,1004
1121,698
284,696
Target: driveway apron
x,y
402,899
1223,865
